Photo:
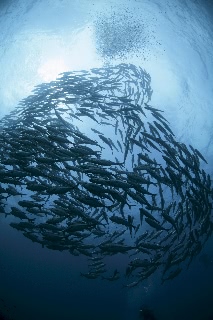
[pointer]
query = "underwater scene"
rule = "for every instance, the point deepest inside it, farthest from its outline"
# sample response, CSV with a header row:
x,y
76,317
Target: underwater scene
x,y
106,160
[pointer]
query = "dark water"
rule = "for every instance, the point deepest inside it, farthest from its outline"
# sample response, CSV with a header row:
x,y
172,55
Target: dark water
x,y
37,283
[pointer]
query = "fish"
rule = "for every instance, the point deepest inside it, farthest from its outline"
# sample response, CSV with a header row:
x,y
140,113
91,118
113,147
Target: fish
x,y
104,162
154,224
145,158
148,107
148,215
105,140
139,198
78,227
200,155
170,220
120,220
114,277
172,275
89,275
138,263
67,193
115,248
132,284
151,246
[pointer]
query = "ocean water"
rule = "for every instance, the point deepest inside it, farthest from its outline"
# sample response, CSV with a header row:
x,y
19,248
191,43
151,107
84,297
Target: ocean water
x,y
172,41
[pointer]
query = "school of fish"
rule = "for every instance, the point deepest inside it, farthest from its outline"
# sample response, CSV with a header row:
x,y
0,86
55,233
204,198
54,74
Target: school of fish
x,y
89,166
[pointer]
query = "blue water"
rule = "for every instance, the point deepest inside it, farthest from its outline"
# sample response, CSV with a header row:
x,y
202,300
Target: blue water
x,y
38,40
37,283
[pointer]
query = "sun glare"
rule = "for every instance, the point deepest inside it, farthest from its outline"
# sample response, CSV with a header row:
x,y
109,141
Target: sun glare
x,y
77,53
50,69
